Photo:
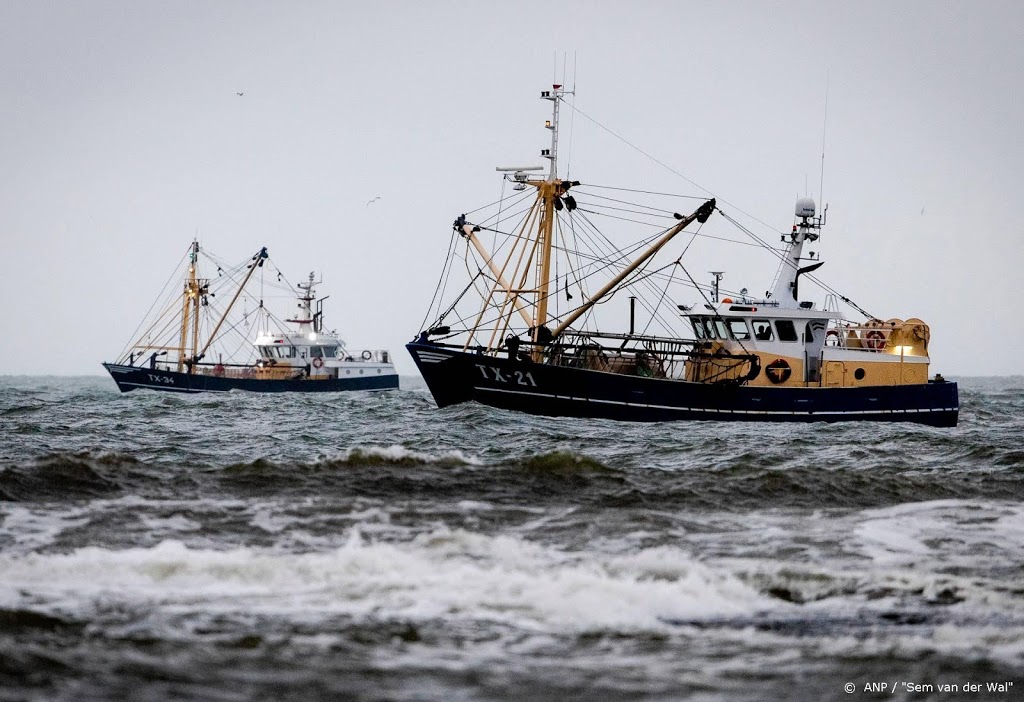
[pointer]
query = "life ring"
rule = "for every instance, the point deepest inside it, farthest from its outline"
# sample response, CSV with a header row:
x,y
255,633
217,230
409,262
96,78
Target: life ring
x,y
367,355
875,339
778,371
318,362
832,337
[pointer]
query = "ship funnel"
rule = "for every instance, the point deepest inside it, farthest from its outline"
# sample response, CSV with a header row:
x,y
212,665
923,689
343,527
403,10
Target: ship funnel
x,y
805,207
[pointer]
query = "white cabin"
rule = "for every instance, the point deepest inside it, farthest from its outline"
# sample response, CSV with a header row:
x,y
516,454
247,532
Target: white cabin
x,y
798,344
320,353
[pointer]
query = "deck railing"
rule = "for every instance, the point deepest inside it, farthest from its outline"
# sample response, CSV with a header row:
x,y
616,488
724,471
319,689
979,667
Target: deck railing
x,y
366,356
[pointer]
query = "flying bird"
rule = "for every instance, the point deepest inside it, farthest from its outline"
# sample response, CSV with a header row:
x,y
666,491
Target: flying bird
x,y
370,202
239,94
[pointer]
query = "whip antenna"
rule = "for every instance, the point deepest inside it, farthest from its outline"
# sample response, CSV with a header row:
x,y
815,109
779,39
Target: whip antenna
x,y
824,124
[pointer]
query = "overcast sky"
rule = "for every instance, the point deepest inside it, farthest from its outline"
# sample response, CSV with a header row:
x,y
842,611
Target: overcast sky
x,y
122,137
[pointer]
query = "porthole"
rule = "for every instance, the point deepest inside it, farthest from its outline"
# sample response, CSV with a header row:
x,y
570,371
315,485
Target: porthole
x,y
360,371
348,372
859,374
378,371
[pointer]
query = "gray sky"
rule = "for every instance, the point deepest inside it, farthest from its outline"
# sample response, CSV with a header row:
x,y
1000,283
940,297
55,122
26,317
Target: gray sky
x,y
122,136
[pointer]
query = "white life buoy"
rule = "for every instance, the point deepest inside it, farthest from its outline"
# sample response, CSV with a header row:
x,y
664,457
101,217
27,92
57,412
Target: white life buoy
x,y
832,337
318,362
367,355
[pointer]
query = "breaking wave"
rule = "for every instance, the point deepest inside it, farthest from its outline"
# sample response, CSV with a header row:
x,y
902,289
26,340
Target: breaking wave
x,y
445,574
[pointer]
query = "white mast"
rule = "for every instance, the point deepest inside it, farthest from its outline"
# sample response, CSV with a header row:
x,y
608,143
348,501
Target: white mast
x,y
305,315
785,288
551,154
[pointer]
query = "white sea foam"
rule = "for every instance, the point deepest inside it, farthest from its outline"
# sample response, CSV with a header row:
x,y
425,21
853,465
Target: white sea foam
x,y
398,453
32,529
943,532
175,522
445,574
954,553
474,506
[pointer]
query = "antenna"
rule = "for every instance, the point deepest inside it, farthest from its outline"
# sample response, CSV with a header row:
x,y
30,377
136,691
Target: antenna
x,y
718,276
824,124
555,95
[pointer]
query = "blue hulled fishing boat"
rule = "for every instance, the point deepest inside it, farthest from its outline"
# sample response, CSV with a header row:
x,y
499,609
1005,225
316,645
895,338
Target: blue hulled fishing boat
x,y
508,339
193,344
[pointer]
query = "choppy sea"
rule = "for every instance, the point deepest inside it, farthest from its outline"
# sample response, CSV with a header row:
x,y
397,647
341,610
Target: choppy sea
x,y
368,546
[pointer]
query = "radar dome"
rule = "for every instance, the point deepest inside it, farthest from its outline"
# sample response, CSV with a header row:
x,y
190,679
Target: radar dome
x,y
805,207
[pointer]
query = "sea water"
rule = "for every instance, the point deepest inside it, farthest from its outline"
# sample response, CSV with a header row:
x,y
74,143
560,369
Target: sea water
x,y
369,546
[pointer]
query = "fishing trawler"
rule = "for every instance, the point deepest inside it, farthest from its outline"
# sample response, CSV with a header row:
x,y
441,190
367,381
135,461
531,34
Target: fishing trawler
x,y
509,340
172,354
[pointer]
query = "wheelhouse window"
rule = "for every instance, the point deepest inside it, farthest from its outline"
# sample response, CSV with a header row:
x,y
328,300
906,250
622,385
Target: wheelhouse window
x,y
739,329
330,351
763,330
316,352
720,331
786,330
698,327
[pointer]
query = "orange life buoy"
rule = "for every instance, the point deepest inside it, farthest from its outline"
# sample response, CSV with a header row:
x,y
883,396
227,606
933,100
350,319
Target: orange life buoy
x,y
318,362
875,339
778,371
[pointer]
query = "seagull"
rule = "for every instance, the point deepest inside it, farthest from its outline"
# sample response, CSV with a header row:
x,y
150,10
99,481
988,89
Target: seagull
x,y
370,202
239,94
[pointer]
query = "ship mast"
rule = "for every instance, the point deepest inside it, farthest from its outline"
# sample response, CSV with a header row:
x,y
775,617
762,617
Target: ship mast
x,y
306,315
550,194
548,191
189,305
786,279
533,246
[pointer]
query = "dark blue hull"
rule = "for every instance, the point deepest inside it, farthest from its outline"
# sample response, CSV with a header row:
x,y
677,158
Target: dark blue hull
x,y
132,378
454,376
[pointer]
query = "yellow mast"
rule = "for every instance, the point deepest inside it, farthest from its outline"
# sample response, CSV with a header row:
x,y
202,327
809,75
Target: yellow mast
x,y
195,325
551,196
548,191
187,296
547,196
